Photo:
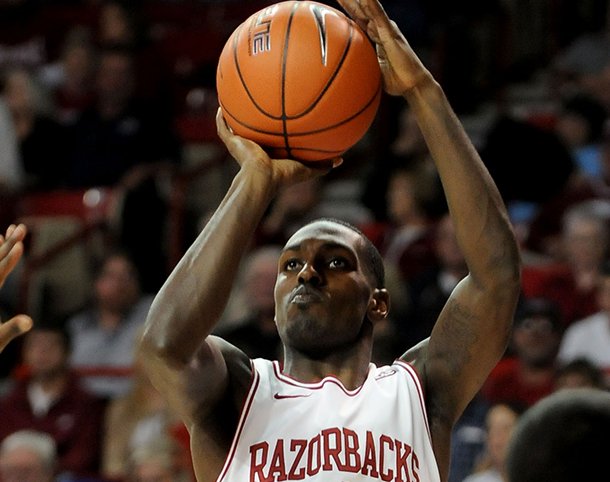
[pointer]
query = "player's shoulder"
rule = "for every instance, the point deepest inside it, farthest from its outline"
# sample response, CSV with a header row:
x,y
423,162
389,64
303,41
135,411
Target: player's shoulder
x,y
229,351
238,364
416,357
239,371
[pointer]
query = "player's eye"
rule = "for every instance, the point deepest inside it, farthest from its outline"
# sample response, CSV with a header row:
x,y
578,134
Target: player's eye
x,y
338,263
292,264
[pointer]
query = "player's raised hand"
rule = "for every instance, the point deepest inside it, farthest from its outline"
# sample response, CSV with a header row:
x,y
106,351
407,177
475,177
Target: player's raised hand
x,y
11,250
401,67
249,154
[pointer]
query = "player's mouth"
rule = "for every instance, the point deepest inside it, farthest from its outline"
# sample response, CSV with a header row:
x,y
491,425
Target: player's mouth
x,y
305,295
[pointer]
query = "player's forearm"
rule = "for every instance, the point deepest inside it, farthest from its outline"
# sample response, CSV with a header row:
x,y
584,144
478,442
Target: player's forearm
x,y
482,225
192,300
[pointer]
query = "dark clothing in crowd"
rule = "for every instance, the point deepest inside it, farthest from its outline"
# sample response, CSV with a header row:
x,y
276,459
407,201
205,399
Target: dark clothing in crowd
x,y
75,421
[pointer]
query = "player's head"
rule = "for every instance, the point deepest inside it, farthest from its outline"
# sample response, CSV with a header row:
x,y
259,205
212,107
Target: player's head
x,y
329,290
562,438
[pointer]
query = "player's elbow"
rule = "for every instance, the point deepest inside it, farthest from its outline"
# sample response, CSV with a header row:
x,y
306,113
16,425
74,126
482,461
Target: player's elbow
x,y
155,345
500,275
509,268
505,279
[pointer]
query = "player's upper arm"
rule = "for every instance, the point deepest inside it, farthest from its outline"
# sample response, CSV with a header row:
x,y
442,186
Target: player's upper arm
x,y
468,339
196,388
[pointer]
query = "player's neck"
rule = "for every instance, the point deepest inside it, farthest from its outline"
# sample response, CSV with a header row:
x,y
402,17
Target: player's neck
x,y
349,368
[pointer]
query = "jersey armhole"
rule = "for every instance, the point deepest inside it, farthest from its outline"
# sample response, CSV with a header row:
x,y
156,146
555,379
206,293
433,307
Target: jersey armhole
x,y
414,375
245,410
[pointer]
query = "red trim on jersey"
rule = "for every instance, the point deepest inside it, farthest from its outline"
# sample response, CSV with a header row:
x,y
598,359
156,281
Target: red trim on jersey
x,y
413,374
242,419
314,386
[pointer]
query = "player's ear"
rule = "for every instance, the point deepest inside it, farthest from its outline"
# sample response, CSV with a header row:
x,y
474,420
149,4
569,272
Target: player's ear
x,y
379,305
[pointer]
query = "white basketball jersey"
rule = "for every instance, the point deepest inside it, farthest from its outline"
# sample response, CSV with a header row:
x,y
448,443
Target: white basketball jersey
x,y
323,432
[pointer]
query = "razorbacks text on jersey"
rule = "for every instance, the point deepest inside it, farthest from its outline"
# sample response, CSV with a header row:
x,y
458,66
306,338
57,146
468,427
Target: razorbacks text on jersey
x,y
321,431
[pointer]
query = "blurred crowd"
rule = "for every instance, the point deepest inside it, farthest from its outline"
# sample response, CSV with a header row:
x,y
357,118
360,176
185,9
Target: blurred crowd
x,y
108,153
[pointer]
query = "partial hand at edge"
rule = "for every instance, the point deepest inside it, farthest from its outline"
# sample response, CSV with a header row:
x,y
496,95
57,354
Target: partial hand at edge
x,y
11,250
11,329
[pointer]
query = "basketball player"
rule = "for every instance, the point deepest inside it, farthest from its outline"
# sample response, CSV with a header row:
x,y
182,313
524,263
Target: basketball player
x,y
325,413
11,249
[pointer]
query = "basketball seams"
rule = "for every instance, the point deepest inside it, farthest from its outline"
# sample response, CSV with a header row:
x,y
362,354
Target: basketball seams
x,y
312,132
284,62
331,79
241,77
283,116
343,121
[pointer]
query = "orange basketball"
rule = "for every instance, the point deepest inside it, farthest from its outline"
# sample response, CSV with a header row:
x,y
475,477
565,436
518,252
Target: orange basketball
x,y
301,79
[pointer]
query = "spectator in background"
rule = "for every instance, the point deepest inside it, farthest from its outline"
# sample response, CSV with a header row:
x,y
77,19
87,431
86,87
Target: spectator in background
x,y
127,143
527,374
580,124
104,334
544,230
571,278
585,244
118,24
22,40
429,291
50,399
579,372
133,422
28,456
589,338
406,240
401,140
531,171
406,243
584,64
41,140
500,421
294,206
157,462
124,24
409,141
131,135
468,439
70,79
11,171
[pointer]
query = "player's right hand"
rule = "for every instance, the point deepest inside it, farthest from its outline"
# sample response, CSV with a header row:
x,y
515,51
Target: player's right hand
x,y
283,172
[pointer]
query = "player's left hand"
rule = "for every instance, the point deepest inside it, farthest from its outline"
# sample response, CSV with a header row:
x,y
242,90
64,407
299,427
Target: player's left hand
x,y
401,68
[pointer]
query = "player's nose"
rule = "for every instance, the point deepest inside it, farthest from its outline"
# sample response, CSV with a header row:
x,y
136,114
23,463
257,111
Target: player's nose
x,y
309,275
